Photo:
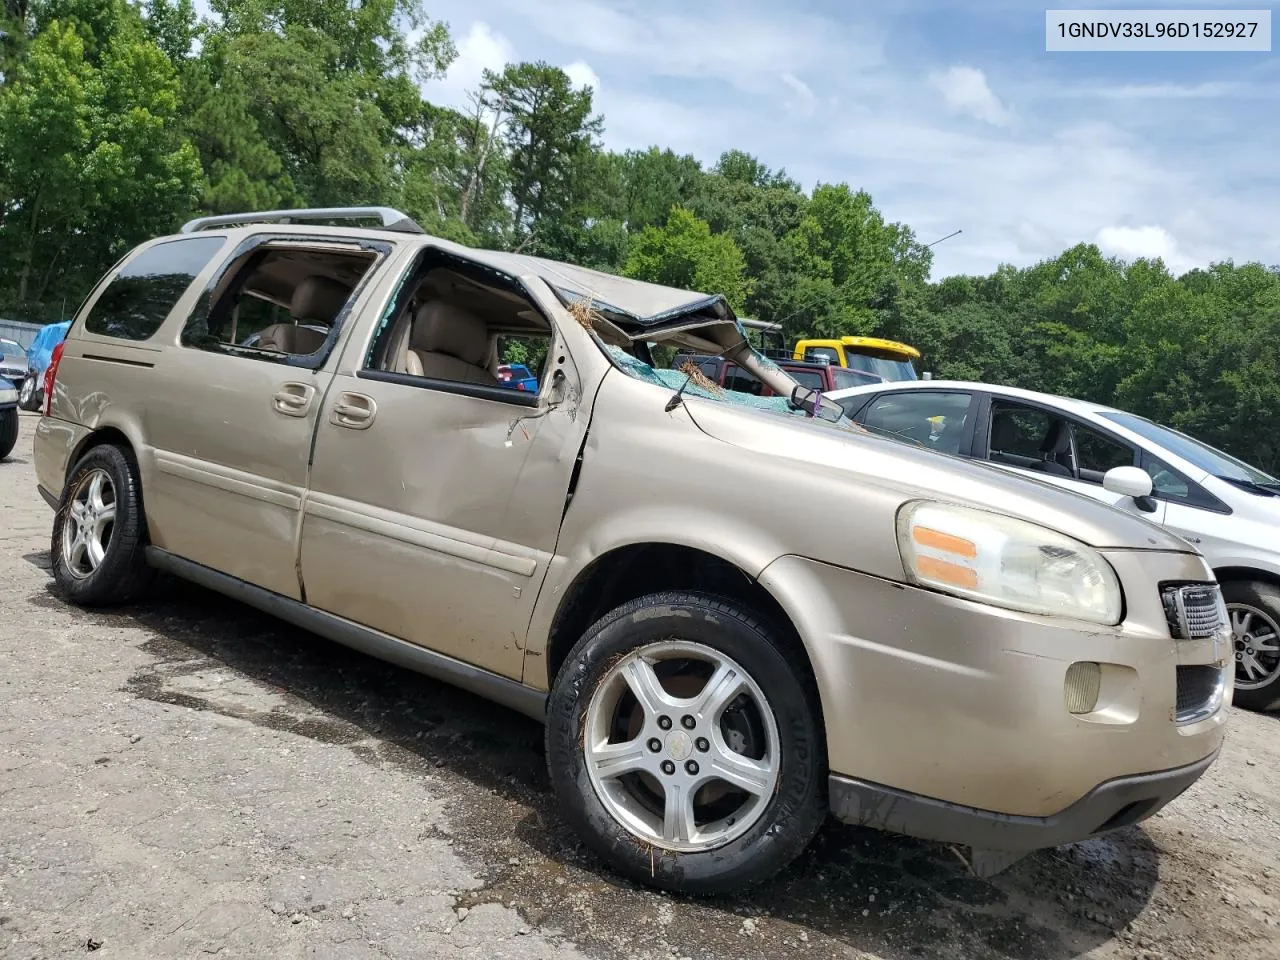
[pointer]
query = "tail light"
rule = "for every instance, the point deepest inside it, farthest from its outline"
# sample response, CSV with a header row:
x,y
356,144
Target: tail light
x,y
50,372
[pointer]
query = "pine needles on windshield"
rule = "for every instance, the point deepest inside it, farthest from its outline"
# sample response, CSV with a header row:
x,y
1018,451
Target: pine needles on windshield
x,y
700,379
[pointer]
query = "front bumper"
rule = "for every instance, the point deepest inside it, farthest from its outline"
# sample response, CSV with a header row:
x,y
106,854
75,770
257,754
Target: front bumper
x,y
1109,806
925,695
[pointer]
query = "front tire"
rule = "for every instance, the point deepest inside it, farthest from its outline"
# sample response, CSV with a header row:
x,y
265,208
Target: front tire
x,y
685,747
99,531
8,431
1253,608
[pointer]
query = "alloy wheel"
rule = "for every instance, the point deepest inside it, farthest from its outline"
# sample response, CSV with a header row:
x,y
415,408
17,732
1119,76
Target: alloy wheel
x,y
681,746
87,527
1257,643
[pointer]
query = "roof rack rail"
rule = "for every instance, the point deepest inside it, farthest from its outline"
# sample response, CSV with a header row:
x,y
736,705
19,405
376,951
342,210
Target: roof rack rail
x,y
390,219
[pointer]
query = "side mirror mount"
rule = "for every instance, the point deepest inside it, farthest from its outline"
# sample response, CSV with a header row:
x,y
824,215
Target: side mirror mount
x,y
1131,482
815,404
555,396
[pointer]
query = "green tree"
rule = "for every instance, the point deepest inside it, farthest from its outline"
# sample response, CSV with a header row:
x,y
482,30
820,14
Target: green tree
x,y
550,133
88,142
685,253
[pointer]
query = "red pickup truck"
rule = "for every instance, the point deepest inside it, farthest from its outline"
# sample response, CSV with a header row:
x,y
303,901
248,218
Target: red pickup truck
x,y
816,375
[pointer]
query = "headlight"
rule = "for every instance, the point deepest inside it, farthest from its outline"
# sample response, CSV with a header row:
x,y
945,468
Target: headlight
x,y
1006,562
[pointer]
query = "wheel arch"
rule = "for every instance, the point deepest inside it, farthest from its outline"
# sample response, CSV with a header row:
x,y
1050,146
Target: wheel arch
x,y
635,570
101,436
1240,573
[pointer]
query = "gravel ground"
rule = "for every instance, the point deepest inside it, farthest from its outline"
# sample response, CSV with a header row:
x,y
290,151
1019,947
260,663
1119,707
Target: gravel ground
x,y
189,777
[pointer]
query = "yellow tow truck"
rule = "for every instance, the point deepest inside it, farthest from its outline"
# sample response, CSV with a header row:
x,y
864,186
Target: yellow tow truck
x,y
888,359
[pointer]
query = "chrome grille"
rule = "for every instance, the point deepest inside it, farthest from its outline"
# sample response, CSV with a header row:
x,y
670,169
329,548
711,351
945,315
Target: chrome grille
x,y
1194,611
1200,692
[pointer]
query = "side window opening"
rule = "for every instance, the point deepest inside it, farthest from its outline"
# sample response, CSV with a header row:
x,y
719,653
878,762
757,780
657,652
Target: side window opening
x,y
460,323
136,302
278,300
932,418
1031,438
1097,453
822,353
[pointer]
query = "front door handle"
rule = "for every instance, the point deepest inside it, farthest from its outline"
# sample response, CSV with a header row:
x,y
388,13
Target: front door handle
x,y
353,410
293,399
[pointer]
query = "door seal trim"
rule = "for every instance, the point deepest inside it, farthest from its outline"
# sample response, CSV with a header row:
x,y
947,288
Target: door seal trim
x,y
510,693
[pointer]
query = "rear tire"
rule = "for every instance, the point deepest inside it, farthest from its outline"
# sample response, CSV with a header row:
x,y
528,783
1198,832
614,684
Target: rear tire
x,y
27,394
99,531
729,699
1253,608
8,431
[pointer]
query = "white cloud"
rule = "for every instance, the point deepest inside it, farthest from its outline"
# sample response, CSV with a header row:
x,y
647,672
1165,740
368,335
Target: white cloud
x,y
717,39
482,48
1131,243
581,75
805,99
965,89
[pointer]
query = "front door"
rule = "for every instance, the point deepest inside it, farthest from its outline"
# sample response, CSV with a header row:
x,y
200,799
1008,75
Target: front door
x,y
436,495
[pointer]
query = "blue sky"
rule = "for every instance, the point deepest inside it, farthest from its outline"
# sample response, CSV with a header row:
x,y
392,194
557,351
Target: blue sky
x,y
952,116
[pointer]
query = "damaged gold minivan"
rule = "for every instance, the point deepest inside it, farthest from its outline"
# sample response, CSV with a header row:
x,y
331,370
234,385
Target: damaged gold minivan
x,y
309,418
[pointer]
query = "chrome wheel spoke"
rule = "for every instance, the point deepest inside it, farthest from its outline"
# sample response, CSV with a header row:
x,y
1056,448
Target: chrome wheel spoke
x,y
78,509
617,759
97,487
677,814
721,690
76,552
644,683
106,515
1265,643
94,551
752,776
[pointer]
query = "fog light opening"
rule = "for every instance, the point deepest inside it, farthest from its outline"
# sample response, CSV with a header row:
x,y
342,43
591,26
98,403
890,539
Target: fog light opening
x,y
1083,686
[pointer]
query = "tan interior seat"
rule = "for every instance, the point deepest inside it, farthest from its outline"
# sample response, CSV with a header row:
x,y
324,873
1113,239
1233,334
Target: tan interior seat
x,y
448,343
315,300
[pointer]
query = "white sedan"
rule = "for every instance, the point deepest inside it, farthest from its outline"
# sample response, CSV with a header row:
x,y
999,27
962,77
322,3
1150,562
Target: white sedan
x,y
1229,510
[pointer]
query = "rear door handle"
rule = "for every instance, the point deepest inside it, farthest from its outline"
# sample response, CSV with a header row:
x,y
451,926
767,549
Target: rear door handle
x,y
293,399
353,410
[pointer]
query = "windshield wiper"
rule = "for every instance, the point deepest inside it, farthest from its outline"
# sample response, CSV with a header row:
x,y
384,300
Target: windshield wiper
x,y
1253,486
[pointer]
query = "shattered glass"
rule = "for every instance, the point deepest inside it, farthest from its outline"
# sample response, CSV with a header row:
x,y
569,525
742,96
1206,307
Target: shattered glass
x,y
675,379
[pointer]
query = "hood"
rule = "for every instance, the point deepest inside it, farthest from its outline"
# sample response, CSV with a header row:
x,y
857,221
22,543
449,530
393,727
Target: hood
x,y
911,473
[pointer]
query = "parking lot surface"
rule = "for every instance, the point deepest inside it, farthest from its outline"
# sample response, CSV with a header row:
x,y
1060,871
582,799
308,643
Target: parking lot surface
x,y
186,777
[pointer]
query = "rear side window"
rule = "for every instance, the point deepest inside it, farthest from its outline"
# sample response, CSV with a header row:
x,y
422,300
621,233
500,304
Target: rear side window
x,y
821,353
140,296
742,381
813,379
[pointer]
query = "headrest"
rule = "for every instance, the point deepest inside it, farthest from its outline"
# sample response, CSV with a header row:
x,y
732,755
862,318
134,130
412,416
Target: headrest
x,y
1057,440
318,298
440,327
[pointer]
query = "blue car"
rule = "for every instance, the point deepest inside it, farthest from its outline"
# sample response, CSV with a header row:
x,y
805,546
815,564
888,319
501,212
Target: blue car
x,y
39,354
518,377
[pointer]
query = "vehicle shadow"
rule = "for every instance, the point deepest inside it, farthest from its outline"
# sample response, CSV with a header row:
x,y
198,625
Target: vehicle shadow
x,y
854,888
